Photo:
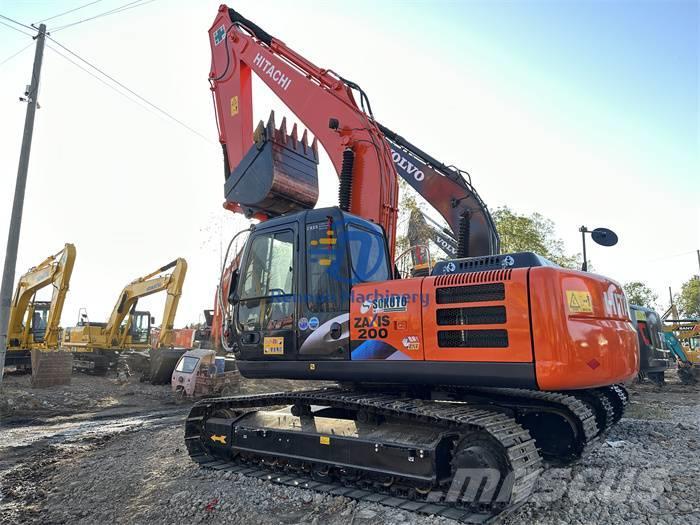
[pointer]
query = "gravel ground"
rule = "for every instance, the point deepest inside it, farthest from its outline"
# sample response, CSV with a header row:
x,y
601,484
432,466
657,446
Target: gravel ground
x,y
646,471
85,393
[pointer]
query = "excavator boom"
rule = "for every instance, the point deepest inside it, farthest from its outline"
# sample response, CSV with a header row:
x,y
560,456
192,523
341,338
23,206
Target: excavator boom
x,y
323,101
145,286
367,156
96,345
55,270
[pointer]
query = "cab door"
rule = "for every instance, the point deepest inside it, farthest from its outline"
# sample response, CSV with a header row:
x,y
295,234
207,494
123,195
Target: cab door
x,y
265,310
323,329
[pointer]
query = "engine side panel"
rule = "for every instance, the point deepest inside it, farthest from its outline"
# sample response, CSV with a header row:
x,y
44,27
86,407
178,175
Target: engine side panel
x,y
583,335
478,317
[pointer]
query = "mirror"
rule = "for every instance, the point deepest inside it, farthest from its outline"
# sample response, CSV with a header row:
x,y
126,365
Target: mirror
x,y
604,237
153,320
233,284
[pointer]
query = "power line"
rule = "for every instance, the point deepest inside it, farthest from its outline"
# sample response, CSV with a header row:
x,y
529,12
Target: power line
x,y
18,23
17,53
16,29
125,7
69,11
93,75
128,89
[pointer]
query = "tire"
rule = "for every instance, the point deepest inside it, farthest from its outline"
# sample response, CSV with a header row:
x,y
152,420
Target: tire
x,y
180,396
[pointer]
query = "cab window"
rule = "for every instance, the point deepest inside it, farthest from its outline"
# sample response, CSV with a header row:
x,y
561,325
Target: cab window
x,y
266,300
187,364
269,269
368,255
326,276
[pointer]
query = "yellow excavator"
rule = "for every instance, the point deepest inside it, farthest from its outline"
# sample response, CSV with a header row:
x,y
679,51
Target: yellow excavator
x,y
33,325
96,346
687,331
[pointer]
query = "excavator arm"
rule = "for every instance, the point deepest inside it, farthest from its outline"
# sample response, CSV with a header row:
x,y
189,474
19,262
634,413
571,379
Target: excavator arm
x,y
450,192
145,286
422,228
55,270
322,100
367,156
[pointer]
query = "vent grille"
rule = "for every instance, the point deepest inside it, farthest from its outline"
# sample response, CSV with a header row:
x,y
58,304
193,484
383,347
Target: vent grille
x,y
473,338
473,315
471,294
454,279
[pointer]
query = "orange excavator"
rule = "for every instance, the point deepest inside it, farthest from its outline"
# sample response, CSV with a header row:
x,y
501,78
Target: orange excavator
x,y
453,389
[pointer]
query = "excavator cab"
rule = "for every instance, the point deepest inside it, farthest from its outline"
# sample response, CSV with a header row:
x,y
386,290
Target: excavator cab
x,y
39,319
292,293
141,323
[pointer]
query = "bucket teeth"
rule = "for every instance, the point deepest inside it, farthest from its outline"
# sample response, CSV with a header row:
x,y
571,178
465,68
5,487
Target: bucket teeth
x,y
271,124
283,130
269,131
294,137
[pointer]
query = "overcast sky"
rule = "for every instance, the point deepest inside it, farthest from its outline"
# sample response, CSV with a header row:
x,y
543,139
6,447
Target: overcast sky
x,y
586,112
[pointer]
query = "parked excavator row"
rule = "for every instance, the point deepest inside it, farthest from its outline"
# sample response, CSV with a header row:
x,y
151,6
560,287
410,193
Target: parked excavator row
x,y
34,324
487,367
97,345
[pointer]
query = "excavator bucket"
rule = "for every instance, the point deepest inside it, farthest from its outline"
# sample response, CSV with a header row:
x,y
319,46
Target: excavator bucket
x,y
278,175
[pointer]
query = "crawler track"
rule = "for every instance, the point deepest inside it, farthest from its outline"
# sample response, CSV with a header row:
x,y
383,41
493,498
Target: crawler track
x,y
511,424
513,444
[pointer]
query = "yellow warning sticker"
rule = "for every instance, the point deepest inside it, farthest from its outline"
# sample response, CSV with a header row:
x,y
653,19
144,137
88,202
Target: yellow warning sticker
x,y
220,439
640,316
234,106
325,440
273,346
579,302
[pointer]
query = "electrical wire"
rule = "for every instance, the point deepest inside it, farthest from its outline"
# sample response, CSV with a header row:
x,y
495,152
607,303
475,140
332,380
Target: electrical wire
x,y
125,7
18,23
69,11
18,30
17,53
131,91
100,79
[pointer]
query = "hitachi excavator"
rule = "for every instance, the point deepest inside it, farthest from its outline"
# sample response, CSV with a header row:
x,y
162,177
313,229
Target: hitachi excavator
x,y
33,324
453,388
96,346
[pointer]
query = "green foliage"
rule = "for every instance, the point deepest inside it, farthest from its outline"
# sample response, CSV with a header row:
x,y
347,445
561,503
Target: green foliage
x,y
531,233
689,298
640,294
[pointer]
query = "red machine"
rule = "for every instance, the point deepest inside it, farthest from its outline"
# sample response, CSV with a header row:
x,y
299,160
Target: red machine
x,y
490,364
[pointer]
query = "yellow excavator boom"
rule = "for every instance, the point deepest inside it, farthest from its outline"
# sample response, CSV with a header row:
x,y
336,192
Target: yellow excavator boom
x,y
142,287
55,270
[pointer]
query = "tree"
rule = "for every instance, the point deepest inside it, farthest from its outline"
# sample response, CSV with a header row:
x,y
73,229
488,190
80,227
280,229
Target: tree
x,y
689,298
531,233
640,294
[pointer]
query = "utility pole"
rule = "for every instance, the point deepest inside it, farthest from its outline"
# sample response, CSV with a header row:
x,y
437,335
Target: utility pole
x,y
8,274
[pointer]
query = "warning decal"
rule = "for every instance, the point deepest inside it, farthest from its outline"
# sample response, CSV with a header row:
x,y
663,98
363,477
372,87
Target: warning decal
x,y
273,346
579,302
234,106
